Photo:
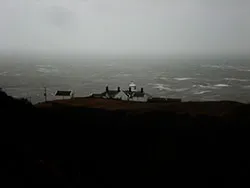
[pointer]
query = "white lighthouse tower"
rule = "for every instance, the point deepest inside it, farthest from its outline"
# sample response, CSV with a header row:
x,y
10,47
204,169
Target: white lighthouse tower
x,y
132,87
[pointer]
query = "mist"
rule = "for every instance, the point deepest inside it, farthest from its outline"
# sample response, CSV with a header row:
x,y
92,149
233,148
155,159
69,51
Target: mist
x,y
126,27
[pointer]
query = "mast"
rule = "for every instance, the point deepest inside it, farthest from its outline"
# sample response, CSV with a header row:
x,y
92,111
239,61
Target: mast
x,y
45,94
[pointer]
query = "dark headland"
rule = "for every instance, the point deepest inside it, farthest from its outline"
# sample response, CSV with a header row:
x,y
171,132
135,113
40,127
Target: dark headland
x,y
86,142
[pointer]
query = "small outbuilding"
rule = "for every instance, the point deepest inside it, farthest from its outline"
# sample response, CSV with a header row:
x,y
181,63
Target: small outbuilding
x,y
157,100
64,94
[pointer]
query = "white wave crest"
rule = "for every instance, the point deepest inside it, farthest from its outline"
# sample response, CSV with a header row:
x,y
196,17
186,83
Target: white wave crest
x,y
47,70
205,86
44,66
229,67
221,85
236,79
163,87
123,75
183,79
246,87
163,78
3,73
243,70
201,92
212,66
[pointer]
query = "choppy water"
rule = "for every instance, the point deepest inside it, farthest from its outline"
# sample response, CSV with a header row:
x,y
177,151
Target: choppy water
x,y
186,79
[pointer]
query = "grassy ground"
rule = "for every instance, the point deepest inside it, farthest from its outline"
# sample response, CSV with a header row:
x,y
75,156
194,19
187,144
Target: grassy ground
x,y
89,142
193,108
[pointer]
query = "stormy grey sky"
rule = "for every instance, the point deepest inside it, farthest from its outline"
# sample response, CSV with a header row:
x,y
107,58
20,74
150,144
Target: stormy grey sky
x,y
150,27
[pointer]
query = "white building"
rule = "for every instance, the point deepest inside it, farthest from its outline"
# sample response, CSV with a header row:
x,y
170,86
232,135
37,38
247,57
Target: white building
x,y
111,94
139,96
129,95
132,87
64,94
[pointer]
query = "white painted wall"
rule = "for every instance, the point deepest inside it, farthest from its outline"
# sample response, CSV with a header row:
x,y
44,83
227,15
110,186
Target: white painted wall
x,y
121,96
139,99
61,98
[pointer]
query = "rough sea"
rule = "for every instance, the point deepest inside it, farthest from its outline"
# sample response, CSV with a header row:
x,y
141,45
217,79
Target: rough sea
x,y
191,80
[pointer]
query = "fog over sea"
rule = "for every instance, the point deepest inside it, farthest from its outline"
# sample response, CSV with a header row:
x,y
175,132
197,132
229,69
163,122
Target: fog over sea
x,y
189,79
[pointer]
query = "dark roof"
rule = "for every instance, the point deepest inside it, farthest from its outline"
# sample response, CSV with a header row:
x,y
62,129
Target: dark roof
x,y
157,99
128,93
134,93
111,93
63,93
97,95
173,100
139,94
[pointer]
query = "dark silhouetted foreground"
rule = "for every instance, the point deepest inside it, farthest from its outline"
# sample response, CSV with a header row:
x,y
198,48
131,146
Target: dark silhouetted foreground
x,y
74,145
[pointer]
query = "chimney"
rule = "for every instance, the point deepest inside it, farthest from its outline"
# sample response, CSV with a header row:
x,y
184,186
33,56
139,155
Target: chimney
x,y
107,88
142,90
118,89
